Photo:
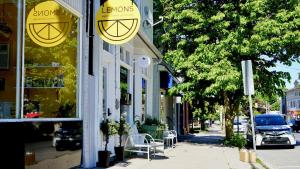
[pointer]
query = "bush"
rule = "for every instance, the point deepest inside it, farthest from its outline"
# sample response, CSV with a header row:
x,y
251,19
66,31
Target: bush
x,y
122,128
107,127
153,127
151,121
139,126
236,140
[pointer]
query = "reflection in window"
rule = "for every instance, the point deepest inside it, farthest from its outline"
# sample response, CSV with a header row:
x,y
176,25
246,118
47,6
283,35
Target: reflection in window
x,y
108,47
125,99
124,81
144,98
8,58
122,54
51,74
55,137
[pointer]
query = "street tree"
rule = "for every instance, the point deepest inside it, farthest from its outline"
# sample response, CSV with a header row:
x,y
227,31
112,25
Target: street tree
x,y
206,40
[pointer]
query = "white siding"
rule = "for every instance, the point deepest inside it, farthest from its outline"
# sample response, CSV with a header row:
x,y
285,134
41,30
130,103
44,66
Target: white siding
x,y
76,4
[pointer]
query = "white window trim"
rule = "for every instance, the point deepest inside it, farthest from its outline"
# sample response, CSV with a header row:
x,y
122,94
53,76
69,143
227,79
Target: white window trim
x,y
129,67
70,8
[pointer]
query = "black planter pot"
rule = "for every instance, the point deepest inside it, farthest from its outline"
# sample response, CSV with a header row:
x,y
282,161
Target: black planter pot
x,y
103,159
119,153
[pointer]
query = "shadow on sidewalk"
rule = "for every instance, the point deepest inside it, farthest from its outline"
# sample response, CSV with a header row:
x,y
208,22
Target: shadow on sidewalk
x,y
205,139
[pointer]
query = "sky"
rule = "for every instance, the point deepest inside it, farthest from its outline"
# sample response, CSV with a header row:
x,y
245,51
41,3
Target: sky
x,y
294,69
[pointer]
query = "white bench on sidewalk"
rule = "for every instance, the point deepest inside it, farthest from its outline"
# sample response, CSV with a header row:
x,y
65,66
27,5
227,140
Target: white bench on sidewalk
x,y
142,143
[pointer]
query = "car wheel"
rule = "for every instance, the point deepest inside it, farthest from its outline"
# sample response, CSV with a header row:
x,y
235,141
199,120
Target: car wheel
x,y
292,146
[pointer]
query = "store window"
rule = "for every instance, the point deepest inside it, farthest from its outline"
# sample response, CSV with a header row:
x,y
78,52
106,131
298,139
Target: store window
x,y
109,47
144,99
124,87
50,61
125,57
125,99
8,58
122,54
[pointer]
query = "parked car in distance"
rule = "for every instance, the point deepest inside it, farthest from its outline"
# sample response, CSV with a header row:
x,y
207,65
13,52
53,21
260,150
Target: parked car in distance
x,y
272,130
239,126
67,139
295,124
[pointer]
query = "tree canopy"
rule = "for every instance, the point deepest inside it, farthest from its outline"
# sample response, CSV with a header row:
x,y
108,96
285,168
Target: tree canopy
x,y
206,40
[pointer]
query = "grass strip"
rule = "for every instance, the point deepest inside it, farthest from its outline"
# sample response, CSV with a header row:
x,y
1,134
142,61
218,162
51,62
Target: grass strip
x,y
259,161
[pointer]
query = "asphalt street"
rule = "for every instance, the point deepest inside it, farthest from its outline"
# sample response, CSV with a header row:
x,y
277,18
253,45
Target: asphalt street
x,y
282,157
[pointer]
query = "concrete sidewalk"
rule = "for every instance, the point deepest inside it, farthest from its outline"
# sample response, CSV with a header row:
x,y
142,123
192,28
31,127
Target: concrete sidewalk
x,y
196,151
190,156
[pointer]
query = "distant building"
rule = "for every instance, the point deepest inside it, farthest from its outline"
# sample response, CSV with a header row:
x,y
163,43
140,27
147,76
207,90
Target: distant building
x,y
293,101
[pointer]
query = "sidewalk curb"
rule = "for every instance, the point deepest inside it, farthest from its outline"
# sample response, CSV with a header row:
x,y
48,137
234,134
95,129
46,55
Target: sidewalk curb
x,y
264,162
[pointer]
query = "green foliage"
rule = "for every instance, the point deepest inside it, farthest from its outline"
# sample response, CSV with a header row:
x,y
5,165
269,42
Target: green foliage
x,y
122,128
151,121
67,109
156,131
275,106
107,127
205,42
153,127
139,126
236,140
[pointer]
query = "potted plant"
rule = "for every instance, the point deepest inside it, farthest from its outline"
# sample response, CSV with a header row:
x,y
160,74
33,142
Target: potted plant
x,y
122,129
108,129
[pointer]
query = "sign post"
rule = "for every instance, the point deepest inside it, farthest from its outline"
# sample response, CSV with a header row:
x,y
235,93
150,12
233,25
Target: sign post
x,y
249,90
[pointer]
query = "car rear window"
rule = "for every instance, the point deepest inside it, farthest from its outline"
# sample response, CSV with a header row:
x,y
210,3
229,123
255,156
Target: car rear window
x,y
273,120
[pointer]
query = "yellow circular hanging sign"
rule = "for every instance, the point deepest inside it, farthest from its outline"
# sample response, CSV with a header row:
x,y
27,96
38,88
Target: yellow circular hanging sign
x,y
48,24
118,21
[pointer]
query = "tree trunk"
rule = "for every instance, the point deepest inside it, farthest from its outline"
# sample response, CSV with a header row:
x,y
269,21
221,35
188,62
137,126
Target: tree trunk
x,y
230,108
202,126
229,124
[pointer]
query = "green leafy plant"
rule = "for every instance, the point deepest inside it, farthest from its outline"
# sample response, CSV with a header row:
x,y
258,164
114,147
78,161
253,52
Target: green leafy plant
x,y
108,129
122,128
236,140
153,127
139,126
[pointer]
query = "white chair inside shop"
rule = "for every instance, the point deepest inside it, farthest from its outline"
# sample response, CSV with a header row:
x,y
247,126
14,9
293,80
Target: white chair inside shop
x,y
142,143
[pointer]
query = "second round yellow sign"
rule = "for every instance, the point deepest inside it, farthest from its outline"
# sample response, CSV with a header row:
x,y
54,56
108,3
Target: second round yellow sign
x,y
118,21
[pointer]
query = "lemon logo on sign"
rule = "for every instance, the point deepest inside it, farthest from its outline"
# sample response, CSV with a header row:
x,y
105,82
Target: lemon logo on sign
x,y
48,24
118,21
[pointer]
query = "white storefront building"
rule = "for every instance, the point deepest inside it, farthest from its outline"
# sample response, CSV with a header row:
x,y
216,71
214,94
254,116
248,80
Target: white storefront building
x,y
82,79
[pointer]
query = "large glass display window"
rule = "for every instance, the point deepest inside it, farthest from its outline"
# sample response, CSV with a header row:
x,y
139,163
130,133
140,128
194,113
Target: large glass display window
x,y
39,60
51,61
